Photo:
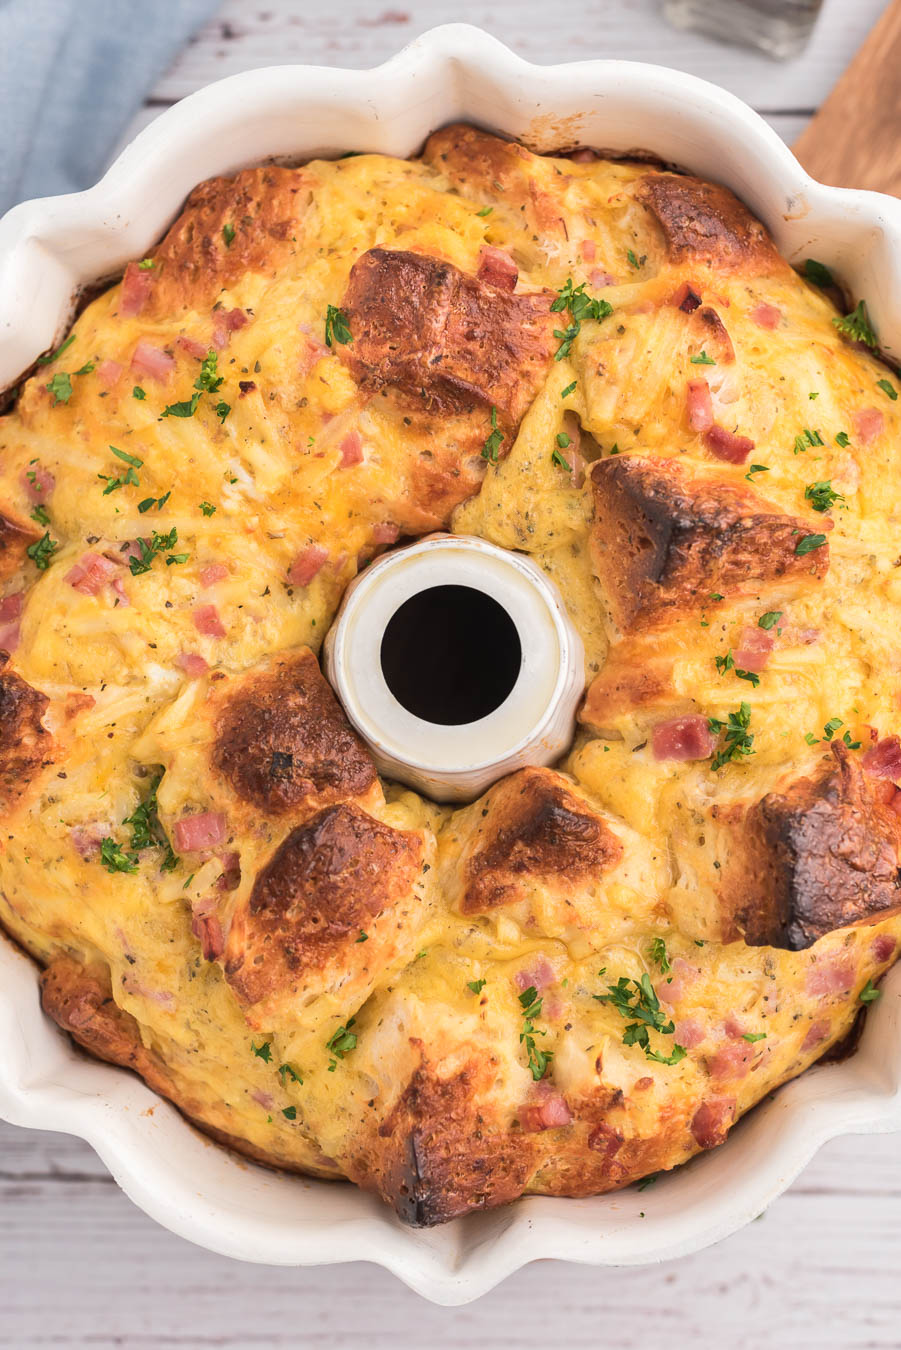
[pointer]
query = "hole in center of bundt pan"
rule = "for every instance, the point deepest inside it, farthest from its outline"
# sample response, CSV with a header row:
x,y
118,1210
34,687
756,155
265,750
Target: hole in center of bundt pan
x,y
451,654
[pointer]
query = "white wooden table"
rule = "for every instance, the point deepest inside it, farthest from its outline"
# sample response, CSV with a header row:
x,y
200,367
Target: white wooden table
x,y
79,1266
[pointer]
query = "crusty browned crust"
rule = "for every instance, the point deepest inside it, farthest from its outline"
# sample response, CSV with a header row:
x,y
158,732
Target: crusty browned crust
x,y
265,207
25,744
534,829
331,878
15,537
447,340
819,855
706,223
634,676
79,999
283,742
664,539
488,168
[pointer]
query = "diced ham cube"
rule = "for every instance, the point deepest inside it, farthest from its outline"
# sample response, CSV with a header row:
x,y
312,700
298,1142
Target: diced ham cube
x,y
599,278
687,298
816,1034
152,361
208,622
689,1033
700,407
497,268
204,830
213,573
868,424
883,947
606,1140
687,737
38,483
732,1060
538,975
91,573
351,450
754,648
136,284
588,250
831,975
710,1123
11,606
108,373
307,564
192,347
549,1114
192,664
726,445
766,316
385,532
883,760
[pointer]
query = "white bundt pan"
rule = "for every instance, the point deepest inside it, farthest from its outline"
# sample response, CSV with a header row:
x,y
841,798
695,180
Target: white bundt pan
x,y
51,248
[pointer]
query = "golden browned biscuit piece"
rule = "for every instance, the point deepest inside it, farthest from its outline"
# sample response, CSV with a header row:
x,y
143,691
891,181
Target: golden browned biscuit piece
x,y
447,340
533,829
283,743
664,537
15,537
705,223
25,744
339,875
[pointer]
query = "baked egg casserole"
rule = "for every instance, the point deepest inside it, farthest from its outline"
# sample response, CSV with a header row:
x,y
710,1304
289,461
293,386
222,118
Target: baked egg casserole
x,y
586,976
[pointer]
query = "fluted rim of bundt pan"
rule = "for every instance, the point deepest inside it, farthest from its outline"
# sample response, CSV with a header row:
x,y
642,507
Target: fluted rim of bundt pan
x,y
52,248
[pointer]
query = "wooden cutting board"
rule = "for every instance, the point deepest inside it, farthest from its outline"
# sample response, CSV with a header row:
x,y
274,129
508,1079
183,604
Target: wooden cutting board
x,y
855,139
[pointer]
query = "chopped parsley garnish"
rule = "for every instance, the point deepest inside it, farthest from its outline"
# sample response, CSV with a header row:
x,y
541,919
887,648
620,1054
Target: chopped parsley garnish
x,y
770,619
340,1043
809,542
145,264
289,1112
209,380
158,502
756,468
364,937
86,368
753,1036
42,550
843,439
887,388
869,993
157,544
658,954
563,440
636,262
857,326
146,829
636,999
727,662
40,515
831,727
811,739
738,741
138,393
561,461
130,477
113,858
263,1052
228,234
337,328
207,508
569,389
821,495
187,407
493,443
285,1071
818,273
45,360
702,359
476,985
531,1008
581,307
222,410
485,211
60,387
647,1181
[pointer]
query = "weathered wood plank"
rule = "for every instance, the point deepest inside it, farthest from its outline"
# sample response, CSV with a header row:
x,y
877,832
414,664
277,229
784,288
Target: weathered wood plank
x,y
359,33
80,1266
